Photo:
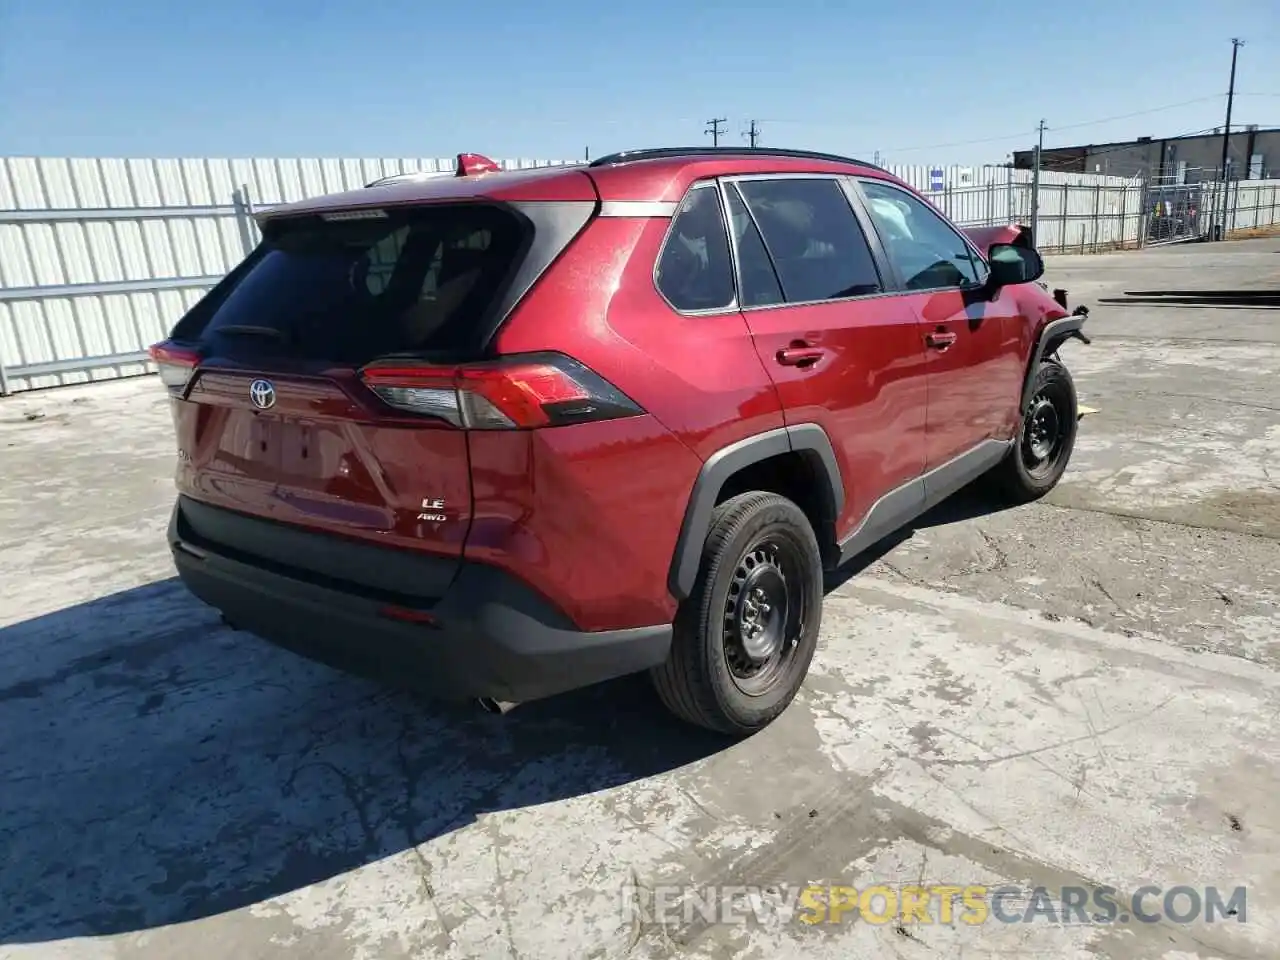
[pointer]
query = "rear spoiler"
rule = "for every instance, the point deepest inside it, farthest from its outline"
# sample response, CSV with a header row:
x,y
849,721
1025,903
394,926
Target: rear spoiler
x,y
468,165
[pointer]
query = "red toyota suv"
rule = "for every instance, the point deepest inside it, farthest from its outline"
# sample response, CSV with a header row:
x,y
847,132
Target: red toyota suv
x,y
504,434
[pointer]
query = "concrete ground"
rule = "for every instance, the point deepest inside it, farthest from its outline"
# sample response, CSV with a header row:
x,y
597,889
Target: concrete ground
x,y
1080,692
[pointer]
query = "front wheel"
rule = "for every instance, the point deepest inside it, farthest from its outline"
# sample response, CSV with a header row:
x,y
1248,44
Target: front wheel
x,y
745,637
1045,438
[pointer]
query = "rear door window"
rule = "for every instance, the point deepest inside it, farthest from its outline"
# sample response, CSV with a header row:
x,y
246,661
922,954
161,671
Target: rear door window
x,y
350,291
756,277
813,238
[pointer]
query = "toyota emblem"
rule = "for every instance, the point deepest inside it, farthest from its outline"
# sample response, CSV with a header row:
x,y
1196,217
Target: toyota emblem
x,y
262,394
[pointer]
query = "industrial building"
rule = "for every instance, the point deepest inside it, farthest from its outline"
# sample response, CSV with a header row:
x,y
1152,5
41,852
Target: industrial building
x,y
1253,154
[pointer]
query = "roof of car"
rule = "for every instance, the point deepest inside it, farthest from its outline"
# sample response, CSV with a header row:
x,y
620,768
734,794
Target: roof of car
x,y
689,153
541,183
663,176
660,174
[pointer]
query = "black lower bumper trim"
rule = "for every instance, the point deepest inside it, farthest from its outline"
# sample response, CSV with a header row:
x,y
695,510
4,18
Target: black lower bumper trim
x,y
489,635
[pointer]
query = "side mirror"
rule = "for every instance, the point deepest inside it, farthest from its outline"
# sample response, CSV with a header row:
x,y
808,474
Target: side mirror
x,y
1013,264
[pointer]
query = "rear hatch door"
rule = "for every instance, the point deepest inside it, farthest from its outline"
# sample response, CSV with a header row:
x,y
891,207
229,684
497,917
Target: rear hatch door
x,y
277,423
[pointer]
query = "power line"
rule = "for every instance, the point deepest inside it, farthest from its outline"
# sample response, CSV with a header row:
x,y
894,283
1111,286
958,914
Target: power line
x,y
713,129
629,121
1066,126
1139,113
1129,144
1138,165
1022,135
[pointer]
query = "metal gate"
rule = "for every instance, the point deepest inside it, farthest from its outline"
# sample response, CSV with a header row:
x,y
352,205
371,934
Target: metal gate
x,y
1174,212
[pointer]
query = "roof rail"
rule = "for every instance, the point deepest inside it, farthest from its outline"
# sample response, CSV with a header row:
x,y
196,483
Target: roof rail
x,y
664,153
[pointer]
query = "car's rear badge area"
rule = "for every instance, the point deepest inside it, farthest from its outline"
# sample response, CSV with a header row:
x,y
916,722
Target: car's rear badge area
x,y
433,510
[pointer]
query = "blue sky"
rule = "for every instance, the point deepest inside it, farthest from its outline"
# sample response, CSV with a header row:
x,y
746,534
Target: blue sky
x,y
918,81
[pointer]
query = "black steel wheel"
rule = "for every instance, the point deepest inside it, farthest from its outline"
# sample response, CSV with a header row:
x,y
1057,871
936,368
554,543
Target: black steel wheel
x,y
1046,436
745,637
1044,430
764,614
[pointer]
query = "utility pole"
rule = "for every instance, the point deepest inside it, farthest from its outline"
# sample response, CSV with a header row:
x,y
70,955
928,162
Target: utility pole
x,y
586,154
1236,44
876,159
752,133
1035,184
713,128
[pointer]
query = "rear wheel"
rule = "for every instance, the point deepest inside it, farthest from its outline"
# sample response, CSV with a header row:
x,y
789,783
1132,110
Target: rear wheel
x,y
745,637
1045,439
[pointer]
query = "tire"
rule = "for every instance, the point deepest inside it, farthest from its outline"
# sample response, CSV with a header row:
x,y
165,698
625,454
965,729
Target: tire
x,y
1046,436
760,546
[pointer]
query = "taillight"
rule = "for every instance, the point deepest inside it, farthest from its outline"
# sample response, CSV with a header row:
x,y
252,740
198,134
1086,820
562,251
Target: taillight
x,y
175,364
515,393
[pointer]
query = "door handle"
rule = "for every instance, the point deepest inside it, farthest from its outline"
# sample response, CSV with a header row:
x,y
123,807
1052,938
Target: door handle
x,y
800,356
940,340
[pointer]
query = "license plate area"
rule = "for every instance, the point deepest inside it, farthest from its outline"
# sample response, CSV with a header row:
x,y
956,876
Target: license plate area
x,y
288,447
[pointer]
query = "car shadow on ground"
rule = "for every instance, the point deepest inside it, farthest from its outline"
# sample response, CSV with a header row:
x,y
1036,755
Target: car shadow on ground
x,y
160,767
967,504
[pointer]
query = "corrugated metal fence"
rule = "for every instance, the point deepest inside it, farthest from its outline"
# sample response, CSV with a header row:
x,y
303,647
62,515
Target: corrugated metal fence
x,y
1078,212
99,257
1249,204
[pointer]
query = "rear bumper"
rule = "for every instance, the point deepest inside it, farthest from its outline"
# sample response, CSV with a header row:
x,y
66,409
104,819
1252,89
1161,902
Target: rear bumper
x,y
487,636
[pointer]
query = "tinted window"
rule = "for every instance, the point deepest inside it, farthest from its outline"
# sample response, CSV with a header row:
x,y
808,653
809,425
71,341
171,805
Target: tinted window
x,y
695,271
926,250
813,238
756,275
350,291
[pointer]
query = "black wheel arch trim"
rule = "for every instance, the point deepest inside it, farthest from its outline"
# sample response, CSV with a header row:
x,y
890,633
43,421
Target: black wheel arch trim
x,y
807,439
1054,335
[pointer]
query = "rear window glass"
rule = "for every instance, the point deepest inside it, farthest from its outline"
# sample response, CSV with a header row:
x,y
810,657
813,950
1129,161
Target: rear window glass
x,y
350,291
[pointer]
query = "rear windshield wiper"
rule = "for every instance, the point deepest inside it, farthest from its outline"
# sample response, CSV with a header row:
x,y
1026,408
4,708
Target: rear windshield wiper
x,y
250,330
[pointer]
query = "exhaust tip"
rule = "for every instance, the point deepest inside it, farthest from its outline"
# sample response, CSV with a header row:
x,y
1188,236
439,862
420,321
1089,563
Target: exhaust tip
x,y
499,707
